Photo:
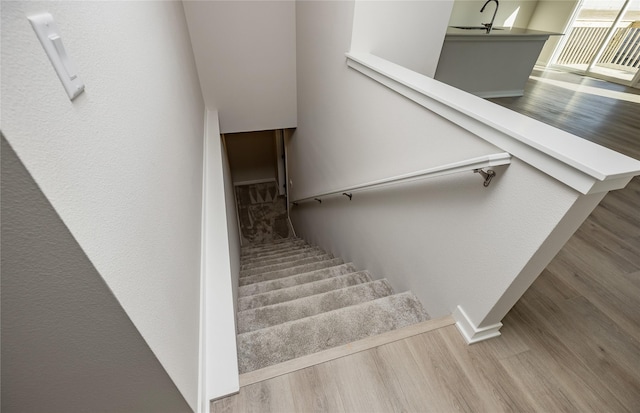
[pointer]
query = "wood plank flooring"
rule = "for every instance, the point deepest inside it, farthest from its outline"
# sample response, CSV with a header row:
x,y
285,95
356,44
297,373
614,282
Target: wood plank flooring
x,y
578,109
571,344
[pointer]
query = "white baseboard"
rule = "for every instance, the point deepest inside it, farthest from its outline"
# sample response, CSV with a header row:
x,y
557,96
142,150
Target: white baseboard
x,y
255,181
293,231
470,332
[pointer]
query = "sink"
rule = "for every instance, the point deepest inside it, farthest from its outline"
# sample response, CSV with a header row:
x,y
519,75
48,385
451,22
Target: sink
x,y
475,28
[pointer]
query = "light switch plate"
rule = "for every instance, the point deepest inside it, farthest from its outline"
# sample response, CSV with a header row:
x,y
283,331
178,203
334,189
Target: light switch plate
x,y
49,36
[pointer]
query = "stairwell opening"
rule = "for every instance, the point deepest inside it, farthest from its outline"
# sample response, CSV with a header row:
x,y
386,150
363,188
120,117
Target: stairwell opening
x,y
257,162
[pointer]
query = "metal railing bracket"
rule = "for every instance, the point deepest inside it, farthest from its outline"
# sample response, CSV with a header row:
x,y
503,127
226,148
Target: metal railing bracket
x,y
488,175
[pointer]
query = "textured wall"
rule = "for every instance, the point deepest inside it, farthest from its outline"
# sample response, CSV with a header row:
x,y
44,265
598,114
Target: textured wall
x,y
450,240
397,31
67,344
467,12
352,130
245,52
122,164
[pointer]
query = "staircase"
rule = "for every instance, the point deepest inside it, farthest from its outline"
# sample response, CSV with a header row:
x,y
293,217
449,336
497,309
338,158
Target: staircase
x,y
295,300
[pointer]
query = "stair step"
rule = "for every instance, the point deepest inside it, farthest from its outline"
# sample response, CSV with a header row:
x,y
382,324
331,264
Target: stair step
x,y
303,290
291,281
268,248
296,249
271,242
272,345
298,254
263,317
279,253
284,265
272,275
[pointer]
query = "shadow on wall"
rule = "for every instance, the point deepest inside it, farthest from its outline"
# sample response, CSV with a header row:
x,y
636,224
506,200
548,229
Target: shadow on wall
x,y
67,344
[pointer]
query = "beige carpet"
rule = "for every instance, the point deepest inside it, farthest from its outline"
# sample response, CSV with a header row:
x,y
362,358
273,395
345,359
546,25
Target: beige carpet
x,y
296,300
262,213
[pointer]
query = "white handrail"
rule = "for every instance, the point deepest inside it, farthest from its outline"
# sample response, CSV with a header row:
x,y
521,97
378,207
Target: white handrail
x,y
578,163
467,165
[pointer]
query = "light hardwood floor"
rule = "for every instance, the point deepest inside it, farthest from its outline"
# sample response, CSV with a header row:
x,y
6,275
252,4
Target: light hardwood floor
x,y
571,344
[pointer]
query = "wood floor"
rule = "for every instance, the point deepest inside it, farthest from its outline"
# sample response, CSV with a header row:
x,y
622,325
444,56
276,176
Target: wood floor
x,y
579,109
571,344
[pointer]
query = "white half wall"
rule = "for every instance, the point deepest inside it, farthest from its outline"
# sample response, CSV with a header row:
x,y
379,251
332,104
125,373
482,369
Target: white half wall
x,y
122,163
450,240
221,252
245,52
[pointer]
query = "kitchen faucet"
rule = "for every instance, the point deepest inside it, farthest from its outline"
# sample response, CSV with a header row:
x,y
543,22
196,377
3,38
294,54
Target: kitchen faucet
x,y
489,26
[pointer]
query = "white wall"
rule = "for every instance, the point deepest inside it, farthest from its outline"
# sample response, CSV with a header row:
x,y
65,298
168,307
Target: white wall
x,y
245,52
396,31
552,16
221,263
449,240
67,344
467,12
252,156
351,130
232,224
122,164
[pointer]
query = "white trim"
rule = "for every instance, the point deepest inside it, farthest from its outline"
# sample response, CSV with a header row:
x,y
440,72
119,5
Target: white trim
x,y
255,181
223,397
219,342
470,332
293,231
280,161
466,165
203,404
581,164
235,199
286,174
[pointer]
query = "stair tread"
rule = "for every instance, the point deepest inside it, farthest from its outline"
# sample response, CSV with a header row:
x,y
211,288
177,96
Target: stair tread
x,y
293,280
248,250
284,265
267,316
282,257
261,255
302,290
272,275
272,242
276,344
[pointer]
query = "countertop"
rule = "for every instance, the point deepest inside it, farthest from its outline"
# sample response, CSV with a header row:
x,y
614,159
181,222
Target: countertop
x,y
502,32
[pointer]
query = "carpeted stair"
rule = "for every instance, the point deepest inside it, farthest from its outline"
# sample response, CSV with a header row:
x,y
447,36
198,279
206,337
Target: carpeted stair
x,y
295,300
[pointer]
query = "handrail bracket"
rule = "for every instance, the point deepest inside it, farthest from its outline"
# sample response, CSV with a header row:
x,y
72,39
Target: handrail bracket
x,y
476,165
488,175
